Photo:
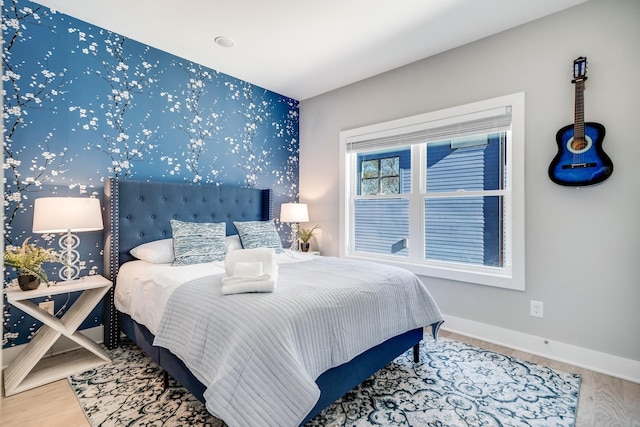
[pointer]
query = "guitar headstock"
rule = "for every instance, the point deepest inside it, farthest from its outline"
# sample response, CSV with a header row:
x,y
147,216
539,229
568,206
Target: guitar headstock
x,y
579,69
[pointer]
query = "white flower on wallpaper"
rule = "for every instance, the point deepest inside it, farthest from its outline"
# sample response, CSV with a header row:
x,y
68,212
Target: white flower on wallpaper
x,y
195,106
117,129
251,152
287,175
29,88
82,104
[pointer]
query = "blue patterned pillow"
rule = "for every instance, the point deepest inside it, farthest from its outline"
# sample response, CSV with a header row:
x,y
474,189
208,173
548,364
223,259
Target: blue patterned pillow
x,y
259,234
195,243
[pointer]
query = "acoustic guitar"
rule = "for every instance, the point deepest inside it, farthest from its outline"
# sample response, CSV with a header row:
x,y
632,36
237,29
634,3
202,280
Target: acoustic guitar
x,y
580,159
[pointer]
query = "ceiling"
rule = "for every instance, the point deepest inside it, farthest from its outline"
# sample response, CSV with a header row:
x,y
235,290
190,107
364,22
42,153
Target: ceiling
x,y
301,48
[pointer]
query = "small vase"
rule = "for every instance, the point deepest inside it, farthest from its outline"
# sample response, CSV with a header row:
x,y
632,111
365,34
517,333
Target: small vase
x,y
28,282
304,247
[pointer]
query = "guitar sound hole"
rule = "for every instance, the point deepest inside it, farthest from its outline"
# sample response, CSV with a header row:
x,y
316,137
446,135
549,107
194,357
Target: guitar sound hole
x,y
578,144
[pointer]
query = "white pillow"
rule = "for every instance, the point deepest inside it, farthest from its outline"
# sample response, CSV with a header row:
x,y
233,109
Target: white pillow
x,y
156,252
233,243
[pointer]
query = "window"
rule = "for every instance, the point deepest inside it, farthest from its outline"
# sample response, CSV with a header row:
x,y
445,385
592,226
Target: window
x,y
383,211
441,193
380,175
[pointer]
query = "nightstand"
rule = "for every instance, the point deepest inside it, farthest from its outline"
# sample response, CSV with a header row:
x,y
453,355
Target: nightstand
x,y
30,369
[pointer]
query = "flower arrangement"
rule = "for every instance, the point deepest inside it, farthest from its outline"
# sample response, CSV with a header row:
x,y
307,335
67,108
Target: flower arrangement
x,y
305,234
28,259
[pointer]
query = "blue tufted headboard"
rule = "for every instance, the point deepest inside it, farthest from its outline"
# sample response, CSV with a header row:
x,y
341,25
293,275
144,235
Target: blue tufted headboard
x,y
137,212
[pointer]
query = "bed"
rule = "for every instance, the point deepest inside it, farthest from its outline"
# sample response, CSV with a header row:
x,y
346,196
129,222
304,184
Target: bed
x,y
139,212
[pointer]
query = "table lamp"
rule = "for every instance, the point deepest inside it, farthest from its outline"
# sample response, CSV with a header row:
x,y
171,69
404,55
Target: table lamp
x,y
67,215
294,213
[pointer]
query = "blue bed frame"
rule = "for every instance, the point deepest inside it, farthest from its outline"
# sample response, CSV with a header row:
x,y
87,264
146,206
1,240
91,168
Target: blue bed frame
x,y
137,212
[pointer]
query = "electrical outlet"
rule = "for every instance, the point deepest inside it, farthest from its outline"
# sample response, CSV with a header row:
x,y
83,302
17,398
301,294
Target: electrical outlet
x,y
537,309
47,306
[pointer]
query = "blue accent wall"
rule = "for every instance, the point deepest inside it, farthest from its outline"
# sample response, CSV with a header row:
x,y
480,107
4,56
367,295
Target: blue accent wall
x,y
82,104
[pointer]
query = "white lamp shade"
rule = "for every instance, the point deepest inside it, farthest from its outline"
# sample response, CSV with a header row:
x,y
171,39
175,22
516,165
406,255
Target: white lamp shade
x,y
294,212
62,214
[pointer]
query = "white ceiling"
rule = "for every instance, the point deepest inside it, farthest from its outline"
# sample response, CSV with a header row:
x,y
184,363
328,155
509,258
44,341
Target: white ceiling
x,y
302,48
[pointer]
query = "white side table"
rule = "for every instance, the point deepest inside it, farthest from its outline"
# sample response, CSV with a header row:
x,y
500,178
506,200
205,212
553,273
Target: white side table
x,y
29,369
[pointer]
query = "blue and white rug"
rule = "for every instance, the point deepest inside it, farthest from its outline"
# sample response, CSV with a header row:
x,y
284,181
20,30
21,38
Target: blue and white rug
x,y
455,384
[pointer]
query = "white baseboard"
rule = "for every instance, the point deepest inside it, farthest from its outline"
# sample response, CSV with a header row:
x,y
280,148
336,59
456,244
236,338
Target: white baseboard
x,y
620,367
61,346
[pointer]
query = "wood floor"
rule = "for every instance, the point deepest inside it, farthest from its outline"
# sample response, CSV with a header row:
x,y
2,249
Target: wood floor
x,y
604,401
51,405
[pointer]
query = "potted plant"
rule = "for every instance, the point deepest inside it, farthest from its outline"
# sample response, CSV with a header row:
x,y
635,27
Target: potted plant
x,y
305,234
28,259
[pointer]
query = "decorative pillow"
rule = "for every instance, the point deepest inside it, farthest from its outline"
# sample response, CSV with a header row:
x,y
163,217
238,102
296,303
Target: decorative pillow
x,y
259,234
233,243
156,252
195,242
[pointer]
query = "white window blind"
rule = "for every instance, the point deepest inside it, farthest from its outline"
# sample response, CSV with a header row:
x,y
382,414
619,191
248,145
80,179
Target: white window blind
x,y
487,121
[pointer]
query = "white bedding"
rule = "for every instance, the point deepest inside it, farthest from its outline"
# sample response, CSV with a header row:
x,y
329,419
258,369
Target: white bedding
x,y
143,288
259,354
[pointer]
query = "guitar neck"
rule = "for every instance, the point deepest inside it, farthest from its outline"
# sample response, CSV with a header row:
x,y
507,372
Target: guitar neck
x,y
578,122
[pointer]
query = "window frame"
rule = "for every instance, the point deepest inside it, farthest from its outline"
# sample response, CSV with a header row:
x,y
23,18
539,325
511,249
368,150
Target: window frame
x,y
511,276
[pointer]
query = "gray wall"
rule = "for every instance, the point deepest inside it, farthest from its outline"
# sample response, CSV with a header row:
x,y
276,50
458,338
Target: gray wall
x,y
582,245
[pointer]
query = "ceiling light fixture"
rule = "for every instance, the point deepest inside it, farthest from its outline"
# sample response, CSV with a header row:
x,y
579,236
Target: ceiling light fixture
x,y
225,41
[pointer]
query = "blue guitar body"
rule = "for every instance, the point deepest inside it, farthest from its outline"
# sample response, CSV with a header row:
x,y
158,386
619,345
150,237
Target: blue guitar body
x,y
580,166
580,160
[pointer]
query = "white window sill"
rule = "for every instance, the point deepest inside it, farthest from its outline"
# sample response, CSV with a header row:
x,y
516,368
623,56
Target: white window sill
x,y
488,276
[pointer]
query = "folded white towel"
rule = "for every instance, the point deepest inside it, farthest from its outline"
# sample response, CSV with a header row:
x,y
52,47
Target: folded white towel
x,y
247,269
235,280
250,270
265,256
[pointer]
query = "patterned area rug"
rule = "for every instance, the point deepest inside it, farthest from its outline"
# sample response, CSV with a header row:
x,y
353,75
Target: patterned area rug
x,y
455,384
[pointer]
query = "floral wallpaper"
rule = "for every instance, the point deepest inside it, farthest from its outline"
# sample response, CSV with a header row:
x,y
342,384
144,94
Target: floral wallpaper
x,y
82,104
